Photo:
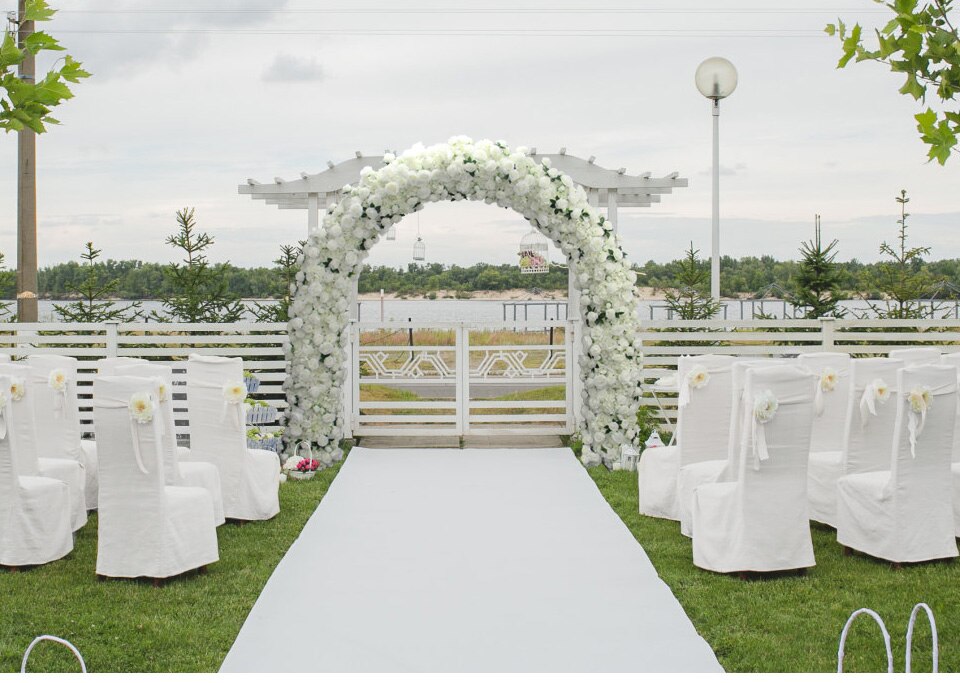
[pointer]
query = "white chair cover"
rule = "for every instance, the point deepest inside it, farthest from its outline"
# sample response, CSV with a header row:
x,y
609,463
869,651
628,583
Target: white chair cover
x,y
145,527
702,423
34,511
905,514
108,366
759,521
29,463
177,473
58,416
867,436
724,466
831,399
250,477
916,355
954,360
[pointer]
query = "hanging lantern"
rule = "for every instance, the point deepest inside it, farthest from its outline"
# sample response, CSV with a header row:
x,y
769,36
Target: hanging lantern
x,y
391,233
533,253
419,250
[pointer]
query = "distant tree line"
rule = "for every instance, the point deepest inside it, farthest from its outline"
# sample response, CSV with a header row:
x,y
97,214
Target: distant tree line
x,y
750,274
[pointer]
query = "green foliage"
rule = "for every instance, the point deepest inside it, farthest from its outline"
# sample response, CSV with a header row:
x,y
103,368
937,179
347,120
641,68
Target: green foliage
x,y
92,290
690,300
287,266
25,103
902,279
922,43
201,293
816,286
8,283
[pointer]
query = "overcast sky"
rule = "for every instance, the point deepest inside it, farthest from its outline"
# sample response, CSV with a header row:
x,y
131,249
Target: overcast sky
x,y
184,106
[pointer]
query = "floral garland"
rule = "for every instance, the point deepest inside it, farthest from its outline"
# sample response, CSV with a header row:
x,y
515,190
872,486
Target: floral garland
x,y
610,363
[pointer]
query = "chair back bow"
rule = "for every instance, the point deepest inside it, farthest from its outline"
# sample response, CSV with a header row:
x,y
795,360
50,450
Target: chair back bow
x,y
697,377
143,410
763,408
920,398
826,383
875,393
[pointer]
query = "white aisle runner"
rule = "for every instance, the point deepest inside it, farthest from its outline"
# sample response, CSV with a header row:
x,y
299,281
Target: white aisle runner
x,y
466,560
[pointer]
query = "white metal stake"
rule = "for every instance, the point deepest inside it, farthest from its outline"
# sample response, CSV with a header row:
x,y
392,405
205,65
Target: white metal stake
x,y
715,257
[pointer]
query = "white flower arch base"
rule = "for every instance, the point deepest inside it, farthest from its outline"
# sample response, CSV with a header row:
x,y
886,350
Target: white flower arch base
x,y
482,171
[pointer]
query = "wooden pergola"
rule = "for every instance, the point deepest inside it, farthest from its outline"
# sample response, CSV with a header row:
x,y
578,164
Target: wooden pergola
x,y
606,188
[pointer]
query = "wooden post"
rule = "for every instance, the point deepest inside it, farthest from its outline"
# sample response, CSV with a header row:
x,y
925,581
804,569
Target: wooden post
x,y
111,339
828,328
313,213
26,194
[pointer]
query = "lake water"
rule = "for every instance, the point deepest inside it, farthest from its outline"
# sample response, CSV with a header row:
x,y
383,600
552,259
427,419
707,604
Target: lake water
x,y
494,311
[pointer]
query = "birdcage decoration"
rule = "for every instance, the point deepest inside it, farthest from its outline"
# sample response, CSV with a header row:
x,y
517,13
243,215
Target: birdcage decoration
x,y
391,234
419,250
533,253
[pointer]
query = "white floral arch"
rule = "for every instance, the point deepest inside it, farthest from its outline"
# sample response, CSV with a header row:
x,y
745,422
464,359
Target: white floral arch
x,y
610,362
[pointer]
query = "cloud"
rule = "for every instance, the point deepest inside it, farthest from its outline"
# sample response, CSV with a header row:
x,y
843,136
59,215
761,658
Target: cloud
x,y
293,69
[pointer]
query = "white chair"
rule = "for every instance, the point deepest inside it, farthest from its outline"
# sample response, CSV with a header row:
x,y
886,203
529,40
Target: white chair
x,y
831,399
867,436
759,522
250,477
916,355
177,473
703,416
905,514
107,367
724,466
146,528
29,463
58,417
34,511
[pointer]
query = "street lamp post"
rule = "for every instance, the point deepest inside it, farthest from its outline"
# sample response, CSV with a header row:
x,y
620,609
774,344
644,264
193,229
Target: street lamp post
x,y
716,78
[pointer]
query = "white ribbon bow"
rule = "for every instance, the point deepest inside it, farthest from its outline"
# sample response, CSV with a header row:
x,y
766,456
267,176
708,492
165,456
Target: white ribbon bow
x,y
135,428
916,421
818,397
868,402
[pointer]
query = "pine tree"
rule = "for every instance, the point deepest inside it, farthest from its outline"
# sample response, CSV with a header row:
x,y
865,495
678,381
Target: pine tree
x,y
816,286
201,293
92,290
287,267
903,279
690,301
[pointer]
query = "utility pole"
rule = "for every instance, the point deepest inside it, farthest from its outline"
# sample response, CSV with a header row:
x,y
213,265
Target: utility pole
x,y
26,192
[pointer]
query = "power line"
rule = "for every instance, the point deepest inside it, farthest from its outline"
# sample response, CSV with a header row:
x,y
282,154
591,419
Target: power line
x,y
488,10
608,33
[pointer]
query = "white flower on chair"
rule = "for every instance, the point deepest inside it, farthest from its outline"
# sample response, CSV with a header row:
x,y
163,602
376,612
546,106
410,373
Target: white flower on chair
x,y
18,389
919,399
698,377
141,408
58,380
162,392
881,392
234,392
765,406
828,380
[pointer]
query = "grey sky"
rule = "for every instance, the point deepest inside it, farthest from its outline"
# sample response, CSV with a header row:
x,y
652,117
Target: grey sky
x,y
180,117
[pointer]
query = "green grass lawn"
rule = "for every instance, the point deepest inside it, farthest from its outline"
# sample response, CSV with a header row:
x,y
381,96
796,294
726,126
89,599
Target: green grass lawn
x,y
778,624
188,624
793,623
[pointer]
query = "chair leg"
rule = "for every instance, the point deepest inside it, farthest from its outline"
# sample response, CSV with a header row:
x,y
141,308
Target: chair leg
x,y
101,577
896,566
847,552
13,570
158,583
202,570
802,571
743,576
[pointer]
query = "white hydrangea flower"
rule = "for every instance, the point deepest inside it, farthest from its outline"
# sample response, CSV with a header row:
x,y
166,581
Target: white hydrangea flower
x,y
765,406
18,389
141,408
919,399
881,392
828,380
234,392
698,377
58,380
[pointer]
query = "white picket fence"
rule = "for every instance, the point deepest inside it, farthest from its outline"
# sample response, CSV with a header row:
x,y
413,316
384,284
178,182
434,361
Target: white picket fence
x,y
664,341
261,345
